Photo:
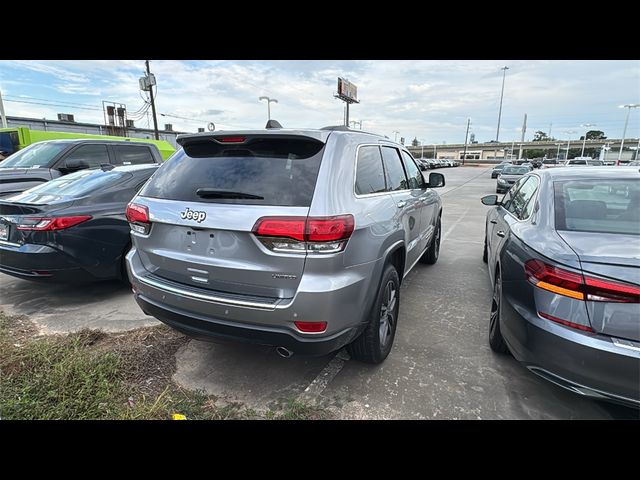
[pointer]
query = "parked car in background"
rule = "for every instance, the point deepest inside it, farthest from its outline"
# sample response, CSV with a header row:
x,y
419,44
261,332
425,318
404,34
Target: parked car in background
x,y
583,162
537,162
634,163
309,258
509,176
497,170
552,163
43,161
73,228
424,164
563,253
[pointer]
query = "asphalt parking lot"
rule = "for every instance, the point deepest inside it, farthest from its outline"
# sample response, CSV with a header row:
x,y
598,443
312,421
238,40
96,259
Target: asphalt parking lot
x,y
440,367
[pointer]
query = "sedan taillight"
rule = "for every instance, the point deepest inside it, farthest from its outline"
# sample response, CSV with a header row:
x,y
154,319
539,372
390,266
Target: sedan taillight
x,y
52,223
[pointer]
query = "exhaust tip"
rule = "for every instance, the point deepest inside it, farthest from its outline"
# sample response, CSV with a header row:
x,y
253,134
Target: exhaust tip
x,y
284,352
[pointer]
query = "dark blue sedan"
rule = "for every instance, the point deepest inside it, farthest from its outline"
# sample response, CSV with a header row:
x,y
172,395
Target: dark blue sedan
x,y
563,251
72,228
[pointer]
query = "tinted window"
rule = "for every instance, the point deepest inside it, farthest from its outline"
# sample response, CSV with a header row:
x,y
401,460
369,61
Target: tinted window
x,y
521,204
73,185
35,155
602,205
416,180
89,156
133,155
283,171
396,179
8,143
515,170
369,171
508,197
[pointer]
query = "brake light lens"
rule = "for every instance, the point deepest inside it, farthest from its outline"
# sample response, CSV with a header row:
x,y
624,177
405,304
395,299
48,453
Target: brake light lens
x,y
578,286
138,217
231,139
305,234
311,327
52,223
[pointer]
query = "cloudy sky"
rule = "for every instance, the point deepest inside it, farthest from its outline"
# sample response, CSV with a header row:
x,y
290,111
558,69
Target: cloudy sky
x,y
430,100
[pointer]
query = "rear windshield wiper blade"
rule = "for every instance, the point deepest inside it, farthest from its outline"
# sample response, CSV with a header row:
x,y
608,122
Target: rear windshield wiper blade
x,y
217,193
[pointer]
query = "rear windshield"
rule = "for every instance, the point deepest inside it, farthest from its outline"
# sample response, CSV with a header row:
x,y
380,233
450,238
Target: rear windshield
x,y
602,205
282,171
33,156
515,170
74,185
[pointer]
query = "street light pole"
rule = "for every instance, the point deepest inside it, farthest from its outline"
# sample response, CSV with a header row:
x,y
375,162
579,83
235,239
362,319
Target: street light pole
x,y
3,117
504,74
584,140
434,151
466,135
269,100
569,133
626,122
558,152
395,139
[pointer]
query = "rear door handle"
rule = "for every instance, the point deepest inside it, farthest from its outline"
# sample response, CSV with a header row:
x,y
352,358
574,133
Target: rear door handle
x,y
493,221
401,204
500,233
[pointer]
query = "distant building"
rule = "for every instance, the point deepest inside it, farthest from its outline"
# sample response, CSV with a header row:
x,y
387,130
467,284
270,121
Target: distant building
x,y
69,125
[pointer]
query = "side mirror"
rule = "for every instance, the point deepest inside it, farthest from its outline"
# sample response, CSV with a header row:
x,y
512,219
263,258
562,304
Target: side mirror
x,y
490,200
73,165
436,180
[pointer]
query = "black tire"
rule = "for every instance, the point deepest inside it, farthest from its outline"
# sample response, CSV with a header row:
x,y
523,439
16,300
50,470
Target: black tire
x,y
496,340
485,253
430,256
374,344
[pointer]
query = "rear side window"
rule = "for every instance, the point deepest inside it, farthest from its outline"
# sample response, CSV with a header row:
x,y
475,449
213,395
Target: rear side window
x,y
396,179
416,180
133,155
521,204
89,156
261,171
369,171
598,205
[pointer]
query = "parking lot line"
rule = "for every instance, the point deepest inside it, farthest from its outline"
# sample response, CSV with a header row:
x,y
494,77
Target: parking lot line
x,y
328,373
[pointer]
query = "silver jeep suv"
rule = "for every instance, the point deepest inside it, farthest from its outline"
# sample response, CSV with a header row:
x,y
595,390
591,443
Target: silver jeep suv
x,y
297,239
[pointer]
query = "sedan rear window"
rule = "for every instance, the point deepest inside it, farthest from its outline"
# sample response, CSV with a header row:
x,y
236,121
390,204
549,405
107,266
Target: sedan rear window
x,y
515,170
259,171
598,205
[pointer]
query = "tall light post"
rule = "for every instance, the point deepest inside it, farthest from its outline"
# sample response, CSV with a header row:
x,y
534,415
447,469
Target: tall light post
x,y
569,133
504,74
395,138
466,136
434,151
586,127
269,101
558,152
629,106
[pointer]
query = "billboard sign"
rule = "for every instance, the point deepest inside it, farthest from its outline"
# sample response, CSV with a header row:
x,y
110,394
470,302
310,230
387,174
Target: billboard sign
x,y
347,90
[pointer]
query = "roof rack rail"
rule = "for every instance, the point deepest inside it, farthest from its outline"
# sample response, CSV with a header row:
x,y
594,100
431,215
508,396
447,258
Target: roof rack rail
x,y
342,128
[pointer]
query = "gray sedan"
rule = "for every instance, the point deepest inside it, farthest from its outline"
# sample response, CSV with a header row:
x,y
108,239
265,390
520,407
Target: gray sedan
x,y
563,251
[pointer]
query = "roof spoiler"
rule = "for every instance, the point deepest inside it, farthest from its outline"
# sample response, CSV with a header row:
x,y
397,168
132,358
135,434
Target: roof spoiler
x,y
273,124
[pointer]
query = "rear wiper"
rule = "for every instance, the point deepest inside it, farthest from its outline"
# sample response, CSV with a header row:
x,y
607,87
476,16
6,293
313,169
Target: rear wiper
x,y
217,193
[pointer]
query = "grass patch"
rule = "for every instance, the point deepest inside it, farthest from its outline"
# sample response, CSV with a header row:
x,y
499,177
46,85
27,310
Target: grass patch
x,y
94,375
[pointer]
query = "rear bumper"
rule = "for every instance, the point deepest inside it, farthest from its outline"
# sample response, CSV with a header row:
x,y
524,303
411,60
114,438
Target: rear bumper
x,y
213,328
587,364
40,263
341,299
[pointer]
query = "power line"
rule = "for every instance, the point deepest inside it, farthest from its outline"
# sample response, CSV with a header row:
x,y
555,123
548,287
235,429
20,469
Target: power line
x,y
53,105
21,97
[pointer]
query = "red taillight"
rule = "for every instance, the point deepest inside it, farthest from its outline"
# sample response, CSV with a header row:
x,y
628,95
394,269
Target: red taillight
x,y
311,327
329,229
231,139
309,234
137,213
599,290
578,286
53,223
282,227
566,323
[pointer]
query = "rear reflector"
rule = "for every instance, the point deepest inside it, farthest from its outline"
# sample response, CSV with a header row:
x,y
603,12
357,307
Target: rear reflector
x,y
566,323
578,286
311,327
54,223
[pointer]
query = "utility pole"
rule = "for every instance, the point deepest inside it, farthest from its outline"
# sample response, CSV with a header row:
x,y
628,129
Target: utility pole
x,y
626,122
504,74
395,138
466,135
524,130
153,105
3,117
